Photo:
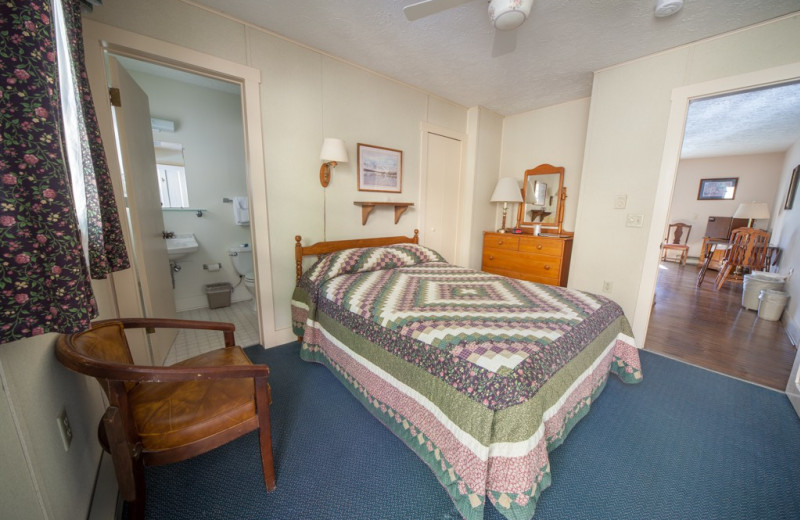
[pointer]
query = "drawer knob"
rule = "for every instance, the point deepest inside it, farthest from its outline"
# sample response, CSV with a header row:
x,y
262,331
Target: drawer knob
x,y
547,268
538,246
499,242
491,257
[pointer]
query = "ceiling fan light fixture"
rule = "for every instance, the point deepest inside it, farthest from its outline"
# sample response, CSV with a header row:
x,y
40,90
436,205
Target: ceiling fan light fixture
x,y
507,15
666,8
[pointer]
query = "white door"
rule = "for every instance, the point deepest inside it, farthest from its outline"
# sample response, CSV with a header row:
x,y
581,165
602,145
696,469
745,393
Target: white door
x,y
442,194
138,162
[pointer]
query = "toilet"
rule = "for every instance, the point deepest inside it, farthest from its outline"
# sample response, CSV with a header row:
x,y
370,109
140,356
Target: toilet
x,y
242,260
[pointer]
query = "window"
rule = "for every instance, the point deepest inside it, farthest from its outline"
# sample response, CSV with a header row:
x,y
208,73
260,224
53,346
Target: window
x,y
172,186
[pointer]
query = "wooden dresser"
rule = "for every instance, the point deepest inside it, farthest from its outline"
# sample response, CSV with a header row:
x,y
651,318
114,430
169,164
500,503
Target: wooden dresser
x,y
527,257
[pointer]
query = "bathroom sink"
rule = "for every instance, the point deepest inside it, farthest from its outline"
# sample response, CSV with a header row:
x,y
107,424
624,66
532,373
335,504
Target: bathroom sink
x,y
180,246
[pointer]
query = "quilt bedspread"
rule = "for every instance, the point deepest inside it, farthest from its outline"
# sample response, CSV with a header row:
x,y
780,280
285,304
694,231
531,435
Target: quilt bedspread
x,y
481,375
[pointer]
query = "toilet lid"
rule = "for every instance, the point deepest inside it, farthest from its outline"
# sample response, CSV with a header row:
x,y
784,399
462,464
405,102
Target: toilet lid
x,y
250,277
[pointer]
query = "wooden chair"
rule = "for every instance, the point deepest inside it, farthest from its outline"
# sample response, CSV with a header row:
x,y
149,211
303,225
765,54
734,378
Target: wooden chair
x,y
677,242
160,415
748,250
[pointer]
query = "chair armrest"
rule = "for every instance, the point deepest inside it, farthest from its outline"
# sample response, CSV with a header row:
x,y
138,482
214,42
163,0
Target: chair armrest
x,y
166,323
151,374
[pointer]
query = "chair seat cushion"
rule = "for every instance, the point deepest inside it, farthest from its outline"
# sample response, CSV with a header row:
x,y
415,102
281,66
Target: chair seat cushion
x,y
169,415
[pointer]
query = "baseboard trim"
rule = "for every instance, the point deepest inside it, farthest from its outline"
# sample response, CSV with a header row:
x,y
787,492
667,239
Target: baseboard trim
x,y
106,501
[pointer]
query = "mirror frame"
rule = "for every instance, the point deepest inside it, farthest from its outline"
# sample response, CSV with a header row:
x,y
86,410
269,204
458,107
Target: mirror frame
x,y
561,194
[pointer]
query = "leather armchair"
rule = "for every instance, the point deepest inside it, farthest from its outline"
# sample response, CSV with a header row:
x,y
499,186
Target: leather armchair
x,y
161,415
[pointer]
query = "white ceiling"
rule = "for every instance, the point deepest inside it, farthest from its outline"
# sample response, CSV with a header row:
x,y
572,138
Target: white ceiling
x,y
758,121
450,53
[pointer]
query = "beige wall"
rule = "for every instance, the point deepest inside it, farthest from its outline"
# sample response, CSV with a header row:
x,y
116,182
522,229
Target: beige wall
x,y
758,181
35,388
786,235
628,120
555,135
485,131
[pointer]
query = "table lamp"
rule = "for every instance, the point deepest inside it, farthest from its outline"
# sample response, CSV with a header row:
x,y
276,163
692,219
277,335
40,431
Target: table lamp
x,y
752,211
507,190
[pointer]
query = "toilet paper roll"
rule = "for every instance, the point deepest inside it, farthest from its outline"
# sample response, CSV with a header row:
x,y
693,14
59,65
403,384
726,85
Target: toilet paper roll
x,y
212,267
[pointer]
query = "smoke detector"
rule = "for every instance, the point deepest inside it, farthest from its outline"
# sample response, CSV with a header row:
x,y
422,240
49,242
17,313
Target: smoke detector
x,y
666,8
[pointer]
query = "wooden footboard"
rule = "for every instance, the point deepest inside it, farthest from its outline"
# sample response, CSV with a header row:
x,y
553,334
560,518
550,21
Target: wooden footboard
x,y
322,248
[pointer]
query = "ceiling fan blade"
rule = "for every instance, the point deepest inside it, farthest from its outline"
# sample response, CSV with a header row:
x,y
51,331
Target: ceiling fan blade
x,y
505,42
429,7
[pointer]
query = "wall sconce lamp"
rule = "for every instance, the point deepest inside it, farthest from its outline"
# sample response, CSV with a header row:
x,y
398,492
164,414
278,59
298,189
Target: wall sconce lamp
x,y
752,211
507,190
333,152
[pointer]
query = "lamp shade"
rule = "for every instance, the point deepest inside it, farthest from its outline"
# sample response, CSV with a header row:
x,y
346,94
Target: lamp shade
x,y
333,150
507,190
752,210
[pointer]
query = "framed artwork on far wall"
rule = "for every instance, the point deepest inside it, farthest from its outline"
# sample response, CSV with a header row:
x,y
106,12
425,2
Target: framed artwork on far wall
x,y
379,169
717,189
792,188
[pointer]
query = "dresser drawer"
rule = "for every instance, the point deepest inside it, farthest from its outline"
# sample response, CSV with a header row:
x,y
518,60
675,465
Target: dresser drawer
x,y
523,264
501,241
542,246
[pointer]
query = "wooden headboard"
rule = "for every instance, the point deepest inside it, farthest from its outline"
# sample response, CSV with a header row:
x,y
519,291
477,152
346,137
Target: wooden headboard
x,y
322,248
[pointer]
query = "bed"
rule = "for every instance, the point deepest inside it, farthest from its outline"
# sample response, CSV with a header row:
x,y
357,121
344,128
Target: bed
x,y
479,374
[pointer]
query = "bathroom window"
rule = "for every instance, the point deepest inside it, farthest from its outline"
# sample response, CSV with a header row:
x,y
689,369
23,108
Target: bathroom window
x,y
172,186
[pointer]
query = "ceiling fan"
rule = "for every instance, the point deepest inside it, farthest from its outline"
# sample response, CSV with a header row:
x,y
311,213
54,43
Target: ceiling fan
x,y
505,15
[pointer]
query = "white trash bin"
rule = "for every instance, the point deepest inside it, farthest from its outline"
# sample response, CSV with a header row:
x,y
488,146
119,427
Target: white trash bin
x,y
771,304
756,282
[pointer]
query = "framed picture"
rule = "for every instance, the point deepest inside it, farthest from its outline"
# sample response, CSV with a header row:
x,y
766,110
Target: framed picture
x,y
379,169
792,188
717,189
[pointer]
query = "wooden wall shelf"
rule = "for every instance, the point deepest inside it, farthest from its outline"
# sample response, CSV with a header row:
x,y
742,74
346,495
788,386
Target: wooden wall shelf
x,y
367,207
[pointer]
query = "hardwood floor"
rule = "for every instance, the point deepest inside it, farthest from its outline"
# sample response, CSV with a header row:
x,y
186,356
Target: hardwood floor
x,y
711,329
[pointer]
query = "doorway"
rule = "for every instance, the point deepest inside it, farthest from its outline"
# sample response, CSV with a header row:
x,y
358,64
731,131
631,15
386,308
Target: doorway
x,y
101,39
716,329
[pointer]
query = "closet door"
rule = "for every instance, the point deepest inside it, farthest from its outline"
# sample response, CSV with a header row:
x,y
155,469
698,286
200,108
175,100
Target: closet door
x,y
442,194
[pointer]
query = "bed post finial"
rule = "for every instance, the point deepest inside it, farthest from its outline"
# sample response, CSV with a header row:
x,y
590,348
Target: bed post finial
x,y
298,258
416,236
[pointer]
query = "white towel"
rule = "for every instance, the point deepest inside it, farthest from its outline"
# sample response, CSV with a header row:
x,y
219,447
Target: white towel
x,y
241,213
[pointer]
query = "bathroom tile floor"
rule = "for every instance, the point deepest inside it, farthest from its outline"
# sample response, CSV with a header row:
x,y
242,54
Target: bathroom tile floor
x,y
190,343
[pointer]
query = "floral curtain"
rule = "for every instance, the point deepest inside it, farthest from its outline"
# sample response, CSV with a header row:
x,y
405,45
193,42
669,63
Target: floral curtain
x,y
106,246
44,279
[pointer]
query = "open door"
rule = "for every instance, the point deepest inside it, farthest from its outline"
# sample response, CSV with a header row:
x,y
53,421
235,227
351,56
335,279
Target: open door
x,y
138,163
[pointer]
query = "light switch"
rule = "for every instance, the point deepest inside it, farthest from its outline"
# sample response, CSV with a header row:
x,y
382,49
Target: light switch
x,y
620,201
634,220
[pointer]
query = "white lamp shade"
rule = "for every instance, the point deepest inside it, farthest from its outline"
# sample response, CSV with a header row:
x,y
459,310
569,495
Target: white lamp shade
x,y
333,150
752,210
507,190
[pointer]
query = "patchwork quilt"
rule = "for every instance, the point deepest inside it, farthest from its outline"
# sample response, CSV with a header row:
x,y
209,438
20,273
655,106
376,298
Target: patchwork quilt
x,y
481,375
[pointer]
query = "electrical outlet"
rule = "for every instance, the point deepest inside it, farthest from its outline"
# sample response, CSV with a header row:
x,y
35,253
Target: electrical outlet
x,y
64,428
633,220
607,286
620,201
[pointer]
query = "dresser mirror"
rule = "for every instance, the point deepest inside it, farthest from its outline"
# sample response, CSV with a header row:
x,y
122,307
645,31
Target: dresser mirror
x,y
543,195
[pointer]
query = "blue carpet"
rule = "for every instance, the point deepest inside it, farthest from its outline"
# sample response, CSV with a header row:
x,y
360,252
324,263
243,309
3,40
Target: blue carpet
x,y
685,443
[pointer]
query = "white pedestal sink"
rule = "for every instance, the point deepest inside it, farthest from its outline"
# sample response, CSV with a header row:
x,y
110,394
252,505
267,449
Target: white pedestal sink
x,y
180,246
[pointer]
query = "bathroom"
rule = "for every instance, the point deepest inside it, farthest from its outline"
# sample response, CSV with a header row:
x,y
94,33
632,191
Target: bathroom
x,y
198,134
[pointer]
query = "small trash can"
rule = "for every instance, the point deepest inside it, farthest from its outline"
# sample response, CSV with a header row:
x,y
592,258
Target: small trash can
x,y
218,294
771,304
756,282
